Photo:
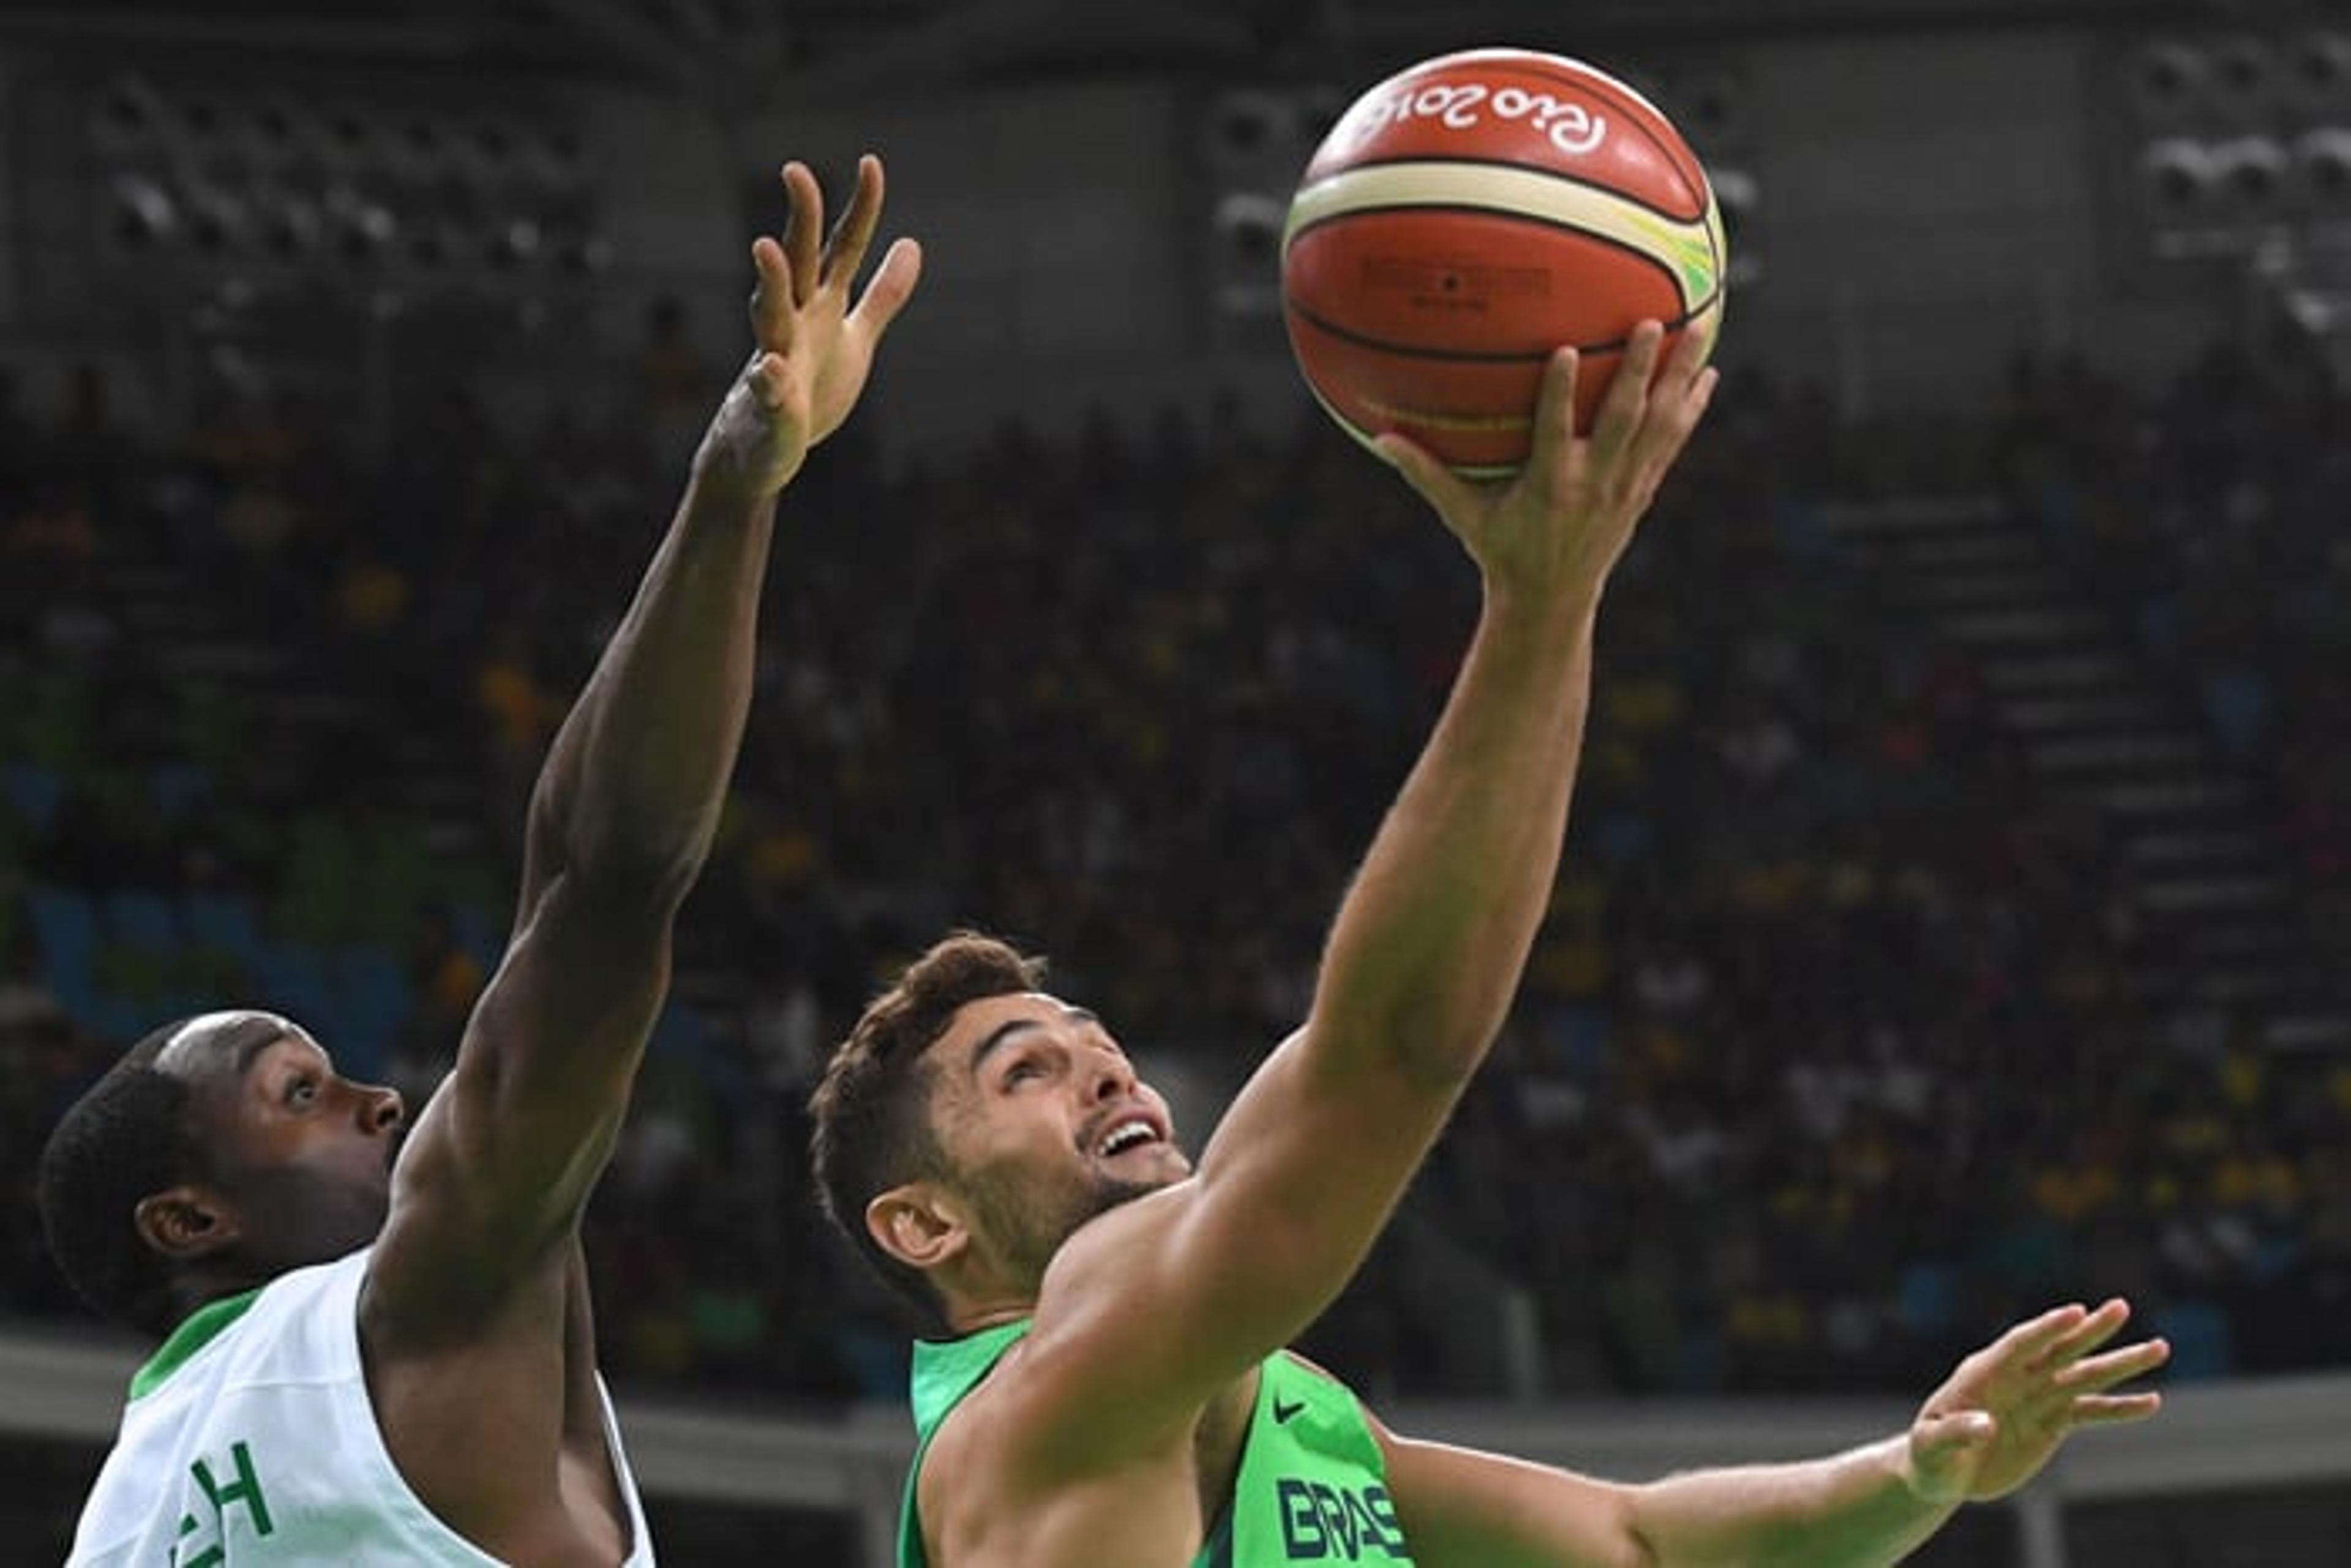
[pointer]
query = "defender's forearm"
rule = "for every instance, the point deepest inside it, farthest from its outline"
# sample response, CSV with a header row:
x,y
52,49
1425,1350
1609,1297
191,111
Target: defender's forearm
x,y
1428,947
1852,1509
632,789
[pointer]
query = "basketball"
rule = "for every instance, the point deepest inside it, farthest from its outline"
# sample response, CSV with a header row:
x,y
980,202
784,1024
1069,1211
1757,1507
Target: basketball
x,y
1470,214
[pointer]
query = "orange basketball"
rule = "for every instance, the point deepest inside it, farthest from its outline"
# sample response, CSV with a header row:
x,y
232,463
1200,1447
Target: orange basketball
x,y
1470,214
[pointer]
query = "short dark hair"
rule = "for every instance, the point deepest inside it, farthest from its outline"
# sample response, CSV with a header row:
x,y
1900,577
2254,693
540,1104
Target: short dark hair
x,y
126,1138
871,1129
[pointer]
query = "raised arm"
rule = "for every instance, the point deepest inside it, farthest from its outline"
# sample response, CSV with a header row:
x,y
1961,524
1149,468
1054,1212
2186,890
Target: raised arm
x,y
502,1160
1988,1430
1426,952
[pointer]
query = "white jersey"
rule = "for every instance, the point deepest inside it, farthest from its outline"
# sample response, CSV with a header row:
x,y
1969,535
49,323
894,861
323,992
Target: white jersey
x,y
249,1440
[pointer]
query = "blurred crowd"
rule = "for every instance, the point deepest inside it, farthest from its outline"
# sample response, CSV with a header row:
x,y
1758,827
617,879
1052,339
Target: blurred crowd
x,y
1823,1070
2210,518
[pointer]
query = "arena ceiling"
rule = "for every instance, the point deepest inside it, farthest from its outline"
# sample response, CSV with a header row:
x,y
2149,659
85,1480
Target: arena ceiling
x,y
748,51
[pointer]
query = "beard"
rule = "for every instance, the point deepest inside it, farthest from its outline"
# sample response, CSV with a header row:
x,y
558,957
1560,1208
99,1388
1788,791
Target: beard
x,y
1028,1224
294,1217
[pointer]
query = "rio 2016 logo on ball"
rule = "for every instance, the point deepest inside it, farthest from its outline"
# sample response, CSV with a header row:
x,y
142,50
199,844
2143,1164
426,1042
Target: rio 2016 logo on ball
x,y
1470,214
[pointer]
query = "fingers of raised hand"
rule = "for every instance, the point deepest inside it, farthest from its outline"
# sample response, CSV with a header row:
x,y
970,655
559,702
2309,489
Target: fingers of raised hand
x,y
2107,1409
2097,1374
802,231
1684,362
1673,417
768,379
2093,1330
771,296
2033,1339
1431,479
1684,388
2070,1386
1621,412
892,284
1555,457
844,252
1652,408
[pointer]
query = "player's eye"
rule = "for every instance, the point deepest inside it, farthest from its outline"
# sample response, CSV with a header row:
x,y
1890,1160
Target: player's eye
x,y
301,1091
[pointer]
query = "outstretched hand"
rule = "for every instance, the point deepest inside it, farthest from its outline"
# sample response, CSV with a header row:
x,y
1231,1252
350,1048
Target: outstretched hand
x,y
1560,525
812,347
2003,1412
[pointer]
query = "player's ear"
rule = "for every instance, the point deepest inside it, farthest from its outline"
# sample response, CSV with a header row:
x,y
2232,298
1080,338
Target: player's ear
x,y
917,1224
185,1221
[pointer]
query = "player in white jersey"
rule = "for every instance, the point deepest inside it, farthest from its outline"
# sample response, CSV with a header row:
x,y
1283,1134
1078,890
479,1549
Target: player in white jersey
x,y
378,1349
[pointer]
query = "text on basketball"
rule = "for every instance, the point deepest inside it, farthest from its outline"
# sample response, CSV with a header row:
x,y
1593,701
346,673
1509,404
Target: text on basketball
x,y
1459,106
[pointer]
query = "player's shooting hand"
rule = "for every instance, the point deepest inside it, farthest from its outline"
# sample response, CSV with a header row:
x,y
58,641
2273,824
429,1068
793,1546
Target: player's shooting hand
x,y
2003,1412
813,347
1555,531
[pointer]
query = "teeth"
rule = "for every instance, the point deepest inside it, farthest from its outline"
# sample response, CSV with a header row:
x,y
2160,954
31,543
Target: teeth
x,y
1126,1135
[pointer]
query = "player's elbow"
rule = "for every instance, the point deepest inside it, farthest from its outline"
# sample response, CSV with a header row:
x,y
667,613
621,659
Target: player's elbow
x,y
1635,1539
623,873
622,853
1434,1055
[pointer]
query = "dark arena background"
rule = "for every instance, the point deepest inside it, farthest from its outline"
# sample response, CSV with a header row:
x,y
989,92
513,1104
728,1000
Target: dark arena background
x,y
1955,914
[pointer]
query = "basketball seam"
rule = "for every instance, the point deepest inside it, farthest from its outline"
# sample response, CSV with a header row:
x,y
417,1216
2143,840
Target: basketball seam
x,y
1513,216
1711,221
1585,181
1474,356
1370,443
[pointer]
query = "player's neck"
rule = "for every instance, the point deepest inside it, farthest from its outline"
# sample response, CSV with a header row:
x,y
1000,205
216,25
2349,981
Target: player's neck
x,y
193,1291
979,1311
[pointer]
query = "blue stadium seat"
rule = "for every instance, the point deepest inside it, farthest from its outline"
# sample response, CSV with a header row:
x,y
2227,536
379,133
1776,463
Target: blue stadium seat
x,y
119,1019
876,1361
32,791
1575,1036
65,925
1927,1298
2201,1343
176,787
144,920
225,922
475,934
294,981
371,1004
2237,701
680,1030
1620,837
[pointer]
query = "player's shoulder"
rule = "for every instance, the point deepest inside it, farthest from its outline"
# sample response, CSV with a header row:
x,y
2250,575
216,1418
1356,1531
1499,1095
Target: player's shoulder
x,y
1111,1258
1020,1424
114,1516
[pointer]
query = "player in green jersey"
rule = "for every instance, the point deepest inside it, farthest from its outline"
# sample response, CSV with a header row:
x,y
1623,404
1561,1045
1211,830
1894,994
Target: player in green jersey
x,y
369,1361
1116,1391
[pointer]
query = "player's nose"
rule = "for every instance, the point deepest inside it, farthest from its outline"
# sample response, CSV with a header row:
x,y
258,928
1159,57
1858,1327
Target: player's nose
x,y
381,1110
1114,1075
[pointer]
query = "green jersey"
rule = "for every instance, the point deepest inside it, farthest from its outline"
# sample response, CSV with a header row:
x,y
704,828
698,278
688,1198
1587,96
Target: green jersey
x,y
1312,1485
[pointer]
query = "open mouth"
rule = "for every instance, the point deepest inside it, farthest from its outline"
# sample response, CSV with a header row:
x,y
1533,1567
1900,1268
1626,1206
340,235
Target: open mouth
x,y
1128,1134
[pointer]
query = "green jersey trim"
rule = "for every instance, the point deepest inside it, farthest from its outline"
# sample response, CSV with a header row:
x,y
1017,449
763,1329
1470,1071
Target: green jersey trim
x,y
197,1330
944,1371
1312,1481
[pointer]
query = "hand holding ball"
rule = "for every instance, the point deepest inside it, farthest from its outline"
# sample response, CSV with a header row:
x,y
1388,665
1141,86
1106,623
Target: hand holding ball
x,y
1469,216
